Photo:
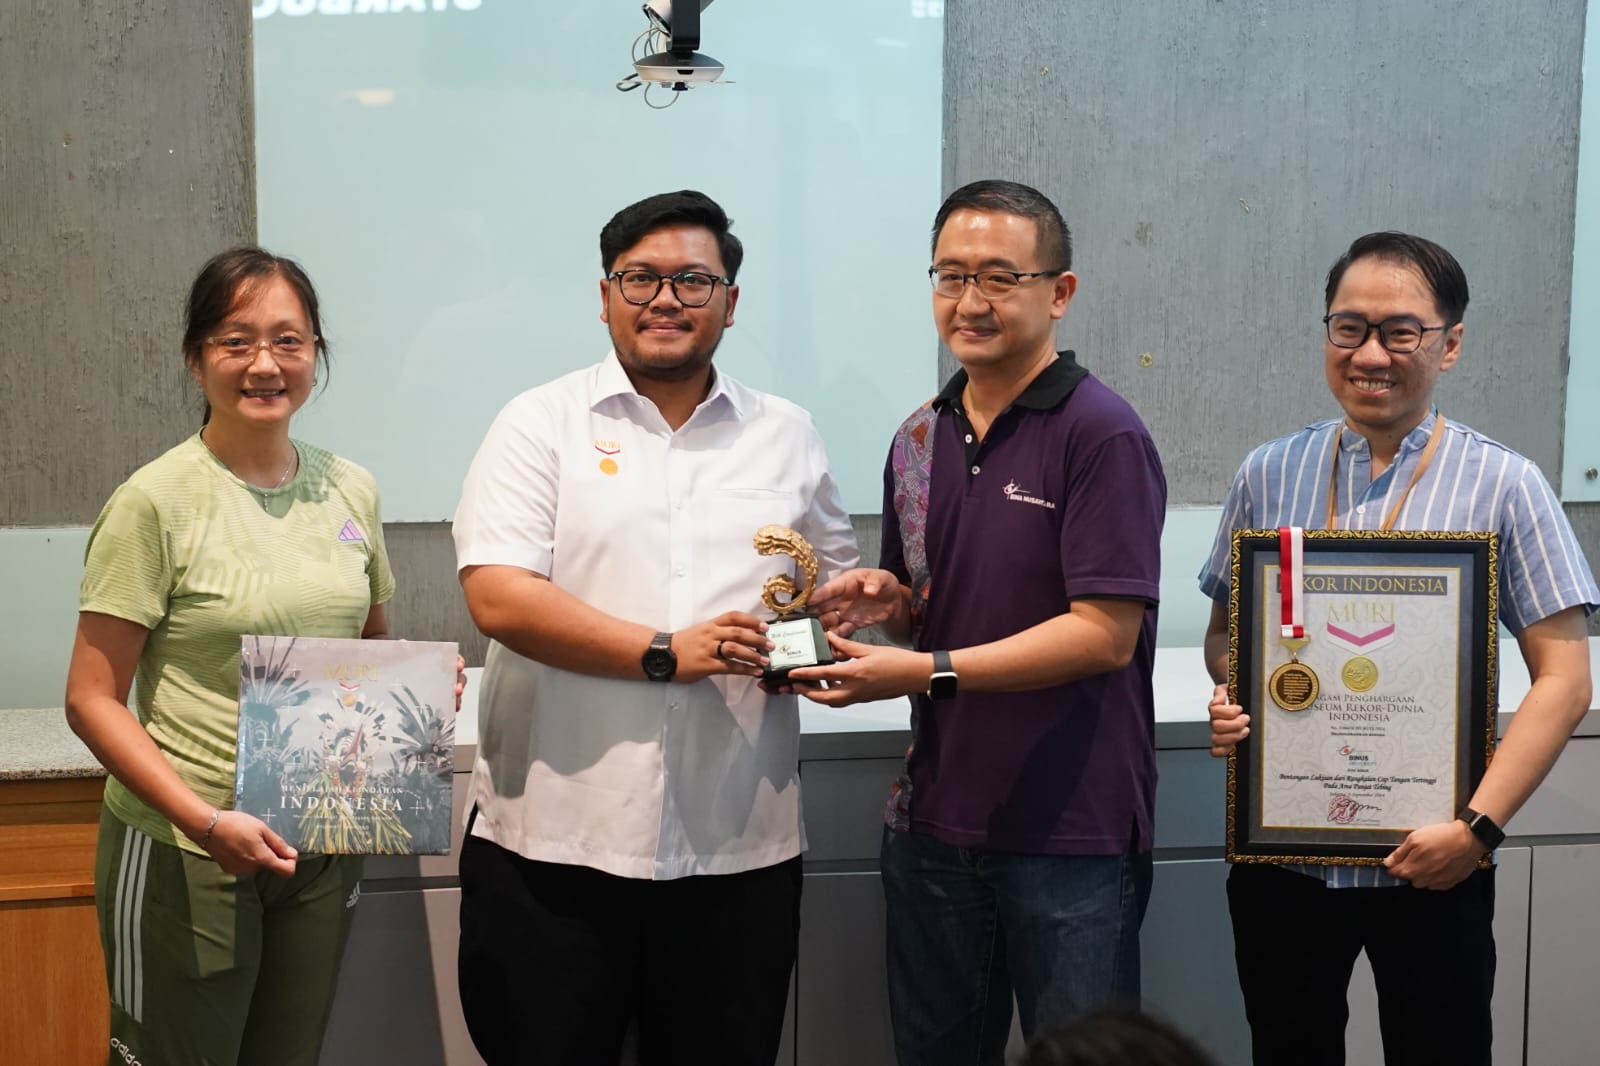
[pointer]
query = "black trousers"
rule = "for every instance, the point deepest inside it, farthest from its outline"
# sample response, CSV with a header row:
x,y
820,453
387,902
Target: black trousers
x,y
1432,956
557,961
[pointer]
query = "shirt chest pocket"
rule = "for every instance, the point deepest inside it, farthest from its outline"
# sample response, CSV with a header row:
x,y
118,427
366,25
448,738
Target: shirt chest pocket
x,y
726,522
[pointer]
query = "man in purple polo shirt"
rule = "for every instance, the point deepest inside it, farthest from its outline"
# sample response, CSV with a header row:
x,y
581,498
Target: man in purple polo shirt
x,y
1021,555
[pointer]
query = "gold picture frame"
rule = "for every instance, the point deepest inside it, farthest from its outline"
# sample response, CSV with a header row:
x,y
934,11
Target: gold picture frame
x,y
1403,645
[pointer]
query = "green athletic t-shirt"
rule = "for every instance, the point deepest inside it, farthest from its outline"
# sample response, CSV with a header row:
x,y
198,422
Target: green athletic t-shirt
x,y
200,558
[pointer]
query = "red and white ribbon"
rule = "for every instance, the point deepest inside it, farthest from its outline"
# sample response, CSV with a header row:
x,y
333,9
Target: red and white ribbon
x,y
1291,582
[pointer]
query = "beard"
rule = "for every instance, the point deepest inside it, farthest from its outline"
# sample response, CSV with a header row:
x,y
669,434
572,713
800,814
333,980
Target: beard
x,y
668,368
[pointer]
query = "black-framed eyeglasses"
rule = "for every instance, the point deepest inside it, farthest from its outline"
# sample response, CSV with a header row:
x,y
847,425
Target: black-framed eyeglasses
x,y
992,284
1401,334
693,288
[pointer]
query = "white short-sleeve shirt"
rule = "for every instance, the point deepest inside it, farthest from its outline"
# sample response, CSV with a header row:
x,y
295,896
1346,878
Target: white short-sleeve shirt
x,y
583,481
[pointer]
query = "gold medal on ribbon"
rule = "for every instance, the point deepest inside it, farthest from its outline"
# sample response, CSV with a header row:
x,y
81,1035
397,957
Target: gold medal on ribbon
x,y
1294,686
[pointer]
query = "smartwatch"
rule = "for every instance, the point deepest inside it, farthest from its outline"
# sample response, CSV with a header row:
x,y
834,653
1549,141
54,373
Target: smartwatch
x,y
659,661
1489,835
942,685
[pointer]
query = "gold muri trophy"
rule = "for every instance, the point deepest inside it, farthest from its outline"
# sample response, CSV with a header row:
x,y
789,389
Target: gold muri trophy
x,y
799,637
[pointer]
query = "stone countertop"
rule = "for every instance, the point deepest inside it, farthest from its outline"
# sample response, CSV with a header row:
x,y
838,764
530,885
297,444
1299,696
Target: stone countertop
x,y
36,745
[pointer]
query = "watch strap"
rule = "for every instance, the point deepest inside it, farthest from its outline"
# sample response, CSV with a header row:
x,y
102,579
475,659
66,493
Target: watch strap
x,y
1489,834
942,685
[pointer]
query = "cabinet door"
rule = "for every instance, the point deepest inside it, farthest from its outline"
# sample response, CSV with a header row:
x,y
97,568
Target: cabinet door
x,y
1186,957
1563,956
397,1001
842,1008
844,801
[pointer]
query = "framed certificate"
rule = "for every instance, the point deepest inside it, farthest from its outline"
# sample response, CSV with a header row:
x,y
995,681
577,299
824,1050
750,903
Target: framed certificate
x,y
1366,661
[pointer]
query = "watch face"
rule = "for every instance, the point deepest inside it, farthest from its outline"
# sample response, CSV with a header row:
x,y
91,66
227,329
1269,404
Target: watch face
x,y
659,663
941,686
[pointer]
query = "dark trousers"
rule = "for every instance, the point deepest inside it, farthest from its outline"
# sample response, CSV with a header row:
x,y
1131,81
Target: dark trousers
x,y
1432,956
556,961
967,928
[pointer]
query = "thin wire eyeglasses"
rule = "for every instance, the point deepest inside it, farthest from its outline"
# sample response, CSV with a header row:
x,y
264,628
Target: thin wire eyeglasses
x,y
692,288
992,284
286,346
1401,334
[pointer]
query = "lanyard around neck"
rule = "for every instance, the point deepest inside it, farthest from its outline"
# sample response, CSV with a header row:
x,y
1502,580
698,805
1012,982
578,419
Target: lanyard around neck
x,y
1416,475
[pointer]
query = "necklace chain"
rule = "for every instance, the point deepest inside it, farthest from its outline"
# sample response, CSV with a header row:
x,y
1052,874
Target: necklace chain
x,y
281,478
258,490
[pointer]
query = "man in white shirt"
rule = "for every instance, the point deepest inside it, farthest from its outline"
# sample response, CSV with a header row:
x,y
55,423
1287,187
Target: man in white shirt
x,y
633,852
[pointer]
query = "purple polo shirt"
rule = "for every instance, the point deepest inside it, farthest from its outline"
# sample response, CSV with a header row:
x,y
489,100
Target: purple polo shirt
x,y
1063,499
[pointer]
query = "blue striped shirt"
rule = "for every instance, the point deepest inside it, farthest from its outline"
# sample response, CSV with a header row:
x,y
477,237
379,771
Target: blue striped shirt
x,y
1474,484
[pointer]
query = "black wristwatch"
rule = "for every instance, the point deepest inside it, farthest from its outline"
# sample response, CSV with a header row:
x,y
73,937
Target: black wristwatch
x,y
659,661
942,685
1489,835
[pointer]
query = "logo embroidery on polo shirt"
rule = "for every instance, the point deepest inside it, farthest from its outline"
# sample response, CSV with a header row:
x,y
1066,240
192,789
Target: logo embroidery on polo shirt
x,y
608,449
350,533
1017,494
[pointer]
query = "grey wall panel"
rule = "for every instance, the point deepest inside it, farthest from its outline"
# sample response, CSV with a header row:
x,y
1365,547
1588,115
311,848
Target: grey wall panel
x,y
868,531
127,157
428,604
1214,156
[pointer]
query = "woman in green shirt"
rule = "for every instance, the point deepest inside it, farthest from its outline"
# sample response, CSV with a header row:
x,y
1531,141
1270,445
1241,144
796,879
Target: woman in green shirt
x,y
222,944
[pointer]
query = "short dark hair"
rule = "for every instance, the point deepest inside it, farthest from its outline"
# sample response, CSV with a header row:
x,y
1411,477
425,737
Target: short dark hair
x,y
1439,269
1013,198
217,286
1115,1036
686,207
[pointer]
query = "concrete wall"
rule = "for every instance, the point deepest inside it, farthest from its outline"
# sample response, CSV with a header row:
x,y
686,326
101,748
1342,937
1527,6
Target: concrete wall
x,y
127,157
1213,157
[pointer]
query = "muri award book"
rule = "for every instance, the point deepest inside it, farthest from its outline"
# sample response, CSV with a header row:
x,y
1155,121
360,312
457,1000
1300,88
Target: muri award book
x,y
347,747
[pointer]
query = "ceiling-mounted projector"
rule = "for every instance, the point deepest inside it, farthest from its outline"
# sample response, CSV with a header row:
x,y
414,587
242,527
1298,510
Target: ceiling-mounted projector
x,y
679,65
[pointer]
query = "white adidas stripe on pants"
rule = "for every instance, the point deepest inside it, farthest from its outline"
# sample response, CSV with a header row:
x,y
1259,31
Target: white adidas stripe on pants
x,y
127,987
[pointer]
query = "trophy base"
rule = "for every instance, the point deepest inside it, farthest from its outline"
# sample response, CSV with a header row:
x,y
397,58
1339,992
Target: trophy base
x,y
800,641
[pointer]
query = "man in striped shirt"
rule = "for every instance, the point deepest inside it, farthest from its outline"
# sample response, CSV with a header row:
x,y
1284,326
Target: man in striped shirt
x,y
1394,308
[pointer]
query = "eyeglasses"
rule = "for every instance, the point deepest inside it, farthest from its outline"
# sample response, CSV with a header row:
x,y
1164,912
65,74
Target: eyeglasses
x,y
286,347
692,288
992,284
1401,334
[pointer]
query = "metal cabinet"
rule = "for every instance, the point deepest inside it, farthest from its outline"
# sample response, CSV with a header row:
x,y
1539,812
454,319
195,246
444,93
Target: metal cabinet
x,y
397,999
1563,956
397,993
842,1003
